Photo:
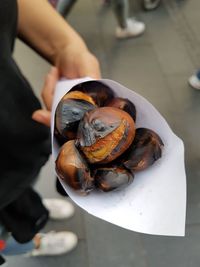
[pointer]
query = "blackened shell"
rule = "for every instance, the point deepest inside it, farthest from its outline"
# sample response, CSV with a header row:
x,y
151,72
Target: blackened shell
x,y
115,178
144,151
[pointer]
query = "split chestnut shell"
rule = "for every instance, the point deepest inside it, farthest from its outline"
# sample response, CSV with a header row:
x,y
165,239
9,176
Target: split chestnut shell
x,y
112,178
144,151
99,92
124,104
105,133
73,169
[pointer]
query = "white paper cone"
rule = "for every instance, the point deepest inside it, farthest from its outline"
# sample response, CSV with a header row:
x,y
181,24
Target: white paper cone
x,y
155,203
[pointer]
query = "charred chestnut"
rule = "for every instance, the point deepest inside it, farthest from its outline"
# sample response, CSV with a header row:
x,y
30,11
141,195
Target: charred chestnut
x,y
144,151
124,104
73,169
115,178
105,133
68,114
99,92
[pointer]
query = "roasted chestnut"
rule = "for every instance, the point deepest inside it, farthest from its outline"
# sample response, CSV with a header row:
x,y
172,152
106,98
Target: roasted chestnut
x,y
68,114
73,169
124,104
100,92
144,151
105,133
114,178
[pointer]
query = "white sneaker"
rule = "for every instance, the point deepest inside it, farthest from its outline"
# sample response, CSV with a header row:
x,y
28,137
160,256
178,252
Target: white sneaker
x,y
134,28
52,244
58,208
194,81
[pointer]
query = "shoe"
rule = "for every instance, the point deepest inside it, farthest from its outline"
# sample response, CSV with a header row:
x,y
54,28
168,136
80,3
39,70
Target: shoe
x,y
151,4
134,28
59,209
52,244
194,80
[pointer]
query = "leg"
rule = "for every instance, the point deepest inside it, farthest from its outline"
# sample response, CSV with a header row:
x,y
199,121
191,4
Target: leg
x,y
127,27
14,248
9,246
121,11
49,244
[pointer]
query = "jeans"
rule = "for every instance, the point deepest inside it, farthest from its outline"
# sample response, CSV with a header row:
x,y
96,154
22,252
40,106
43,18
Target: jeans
x,y
12,246
121,11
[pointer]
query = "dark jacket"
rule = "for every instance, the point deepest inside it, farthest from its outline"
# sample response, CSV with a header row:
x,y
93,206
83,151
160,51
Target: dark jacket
x,y
24,143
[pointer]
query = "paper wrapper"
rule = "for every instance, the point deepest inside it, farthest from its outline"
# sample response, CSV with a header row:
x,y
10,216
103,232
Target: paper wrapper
x,y
155,203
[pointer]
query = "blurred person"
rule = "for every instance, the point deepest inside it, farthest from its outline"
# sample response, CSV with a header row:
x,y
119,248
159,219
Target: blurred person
x,y
25,135
127,27
194,80
25,216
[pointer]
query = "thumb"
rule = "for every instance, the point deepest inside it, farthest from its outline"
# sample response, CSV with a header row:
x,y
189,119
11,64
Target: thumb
x,y
42,116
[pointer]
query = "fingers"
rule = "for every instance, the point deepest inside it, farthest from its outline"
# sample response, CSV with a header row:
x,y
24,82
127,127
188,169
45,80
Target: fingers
x,y
90,67
42,116
76,64
87,65
91,72
49,87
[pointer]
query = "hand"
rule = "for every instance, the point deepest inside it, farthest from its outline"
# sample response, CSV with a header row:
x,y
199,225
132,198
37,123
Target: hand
x,y
71,63
44,115
75,62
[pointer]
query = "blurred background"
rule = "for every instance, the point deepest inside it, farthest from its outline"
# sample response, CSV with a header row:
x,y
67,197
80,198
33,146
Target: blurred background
x,y
157,65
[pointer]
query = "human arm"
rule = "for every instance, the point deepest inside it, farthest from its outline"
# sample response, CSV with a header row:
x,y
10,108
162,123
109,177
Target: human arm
x,y
42,28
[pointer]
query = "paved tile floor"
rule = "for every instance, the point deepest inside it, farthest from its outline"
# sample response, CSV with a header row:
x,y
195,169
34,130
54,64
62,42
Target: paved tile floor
x,y
156,65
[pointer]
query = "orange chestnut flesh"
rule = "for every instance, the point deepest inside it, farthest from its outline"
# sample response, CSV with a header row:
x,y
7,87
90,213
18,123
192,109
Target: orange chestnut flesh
x,y
78,95
73,169
105,133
